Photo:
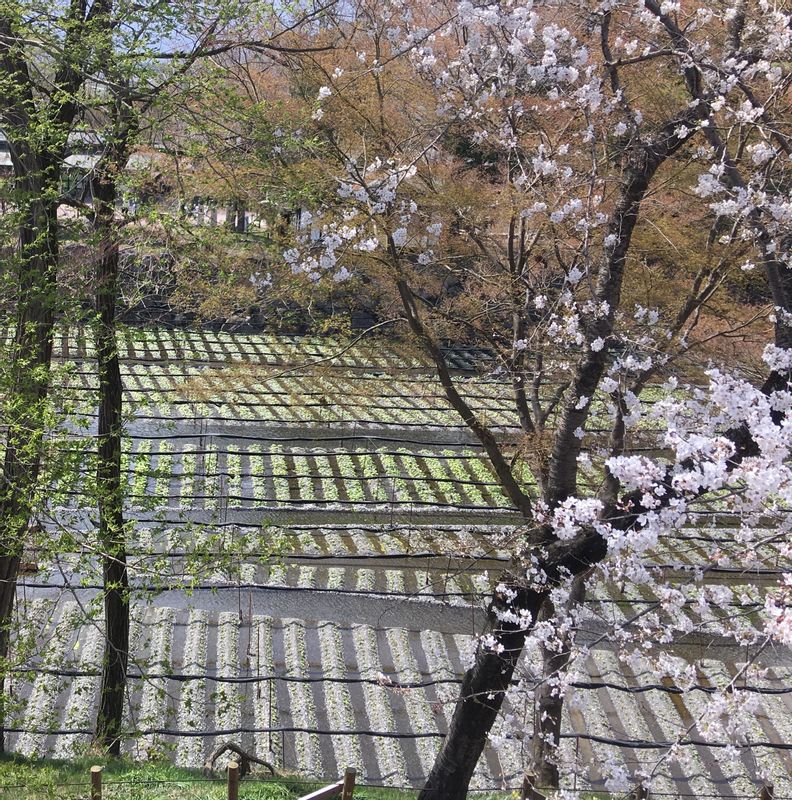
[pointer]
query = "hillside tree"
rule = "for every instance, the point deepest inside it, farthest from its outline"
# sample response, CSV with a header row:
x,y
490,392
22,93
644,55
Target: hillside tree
x,y
45,59
516,211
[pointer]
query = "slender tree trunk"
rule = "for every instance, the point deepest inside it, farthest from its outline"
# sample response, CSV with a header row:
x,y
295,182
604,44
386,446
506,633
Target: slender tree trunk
x,y
492,448
24,407
549,703
235,216
108,479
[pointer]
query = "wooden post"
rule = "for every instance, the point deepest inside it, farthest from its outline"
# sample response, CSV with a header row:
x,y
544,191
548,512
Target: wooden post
x,y
233,780
349,784
96,783
529,791
767,792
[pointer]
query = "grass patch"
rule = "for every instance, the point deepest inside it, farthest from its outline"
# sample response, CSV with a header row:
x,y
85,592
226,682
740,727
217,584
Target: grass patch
x,y
28,779
40,779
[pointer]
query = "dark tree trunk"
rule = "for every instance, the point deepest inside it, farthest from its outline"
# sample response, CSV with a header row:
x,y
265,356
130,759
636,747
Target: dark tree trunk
x,y
480,699
9,570
37,130
235,217
110,490
24,409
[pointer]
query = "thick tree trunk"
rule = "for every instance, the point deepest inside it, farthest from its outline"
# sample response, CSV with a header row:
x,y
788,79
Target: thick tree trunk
x,y
480,699
24,407
109,484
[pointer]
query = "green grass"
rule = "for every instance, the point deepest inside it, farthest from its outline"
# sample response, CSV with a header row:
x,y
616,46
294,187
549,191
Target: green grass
x,y
31,779
27,779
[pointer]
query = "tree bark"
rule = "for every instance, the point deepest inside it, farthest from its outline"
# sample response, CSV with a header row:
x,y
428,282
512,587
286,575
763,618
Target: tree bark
x,y
25,402
549,702
642,161
111,511
235,217
110,488
480,700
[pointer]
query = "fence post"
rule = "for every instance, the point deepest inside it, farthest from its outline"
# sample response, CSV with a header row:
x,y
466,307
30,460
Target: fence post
x,y
529,791
233,780
349,784
96,783
767,792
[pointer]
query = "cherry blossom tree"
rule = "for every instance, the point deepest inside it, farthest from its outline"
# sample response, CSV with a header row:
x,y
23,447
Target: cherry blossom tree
x,y
511,205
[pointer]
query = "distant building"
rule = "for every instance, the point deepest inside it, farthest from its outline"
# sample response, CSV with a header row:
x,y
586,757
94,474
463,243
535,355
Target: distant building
x,y
83,152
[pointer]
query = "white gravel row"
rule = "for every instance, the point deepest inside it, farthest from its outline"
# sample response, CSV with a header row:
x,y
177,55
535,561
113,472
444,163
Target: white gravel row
x,y
198,640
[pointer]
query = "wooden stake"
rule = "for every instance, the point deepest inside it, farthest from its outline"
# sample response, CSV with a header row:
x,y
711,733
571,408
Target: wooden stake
x,y
349,784
96,783
767,792
529,791
233,780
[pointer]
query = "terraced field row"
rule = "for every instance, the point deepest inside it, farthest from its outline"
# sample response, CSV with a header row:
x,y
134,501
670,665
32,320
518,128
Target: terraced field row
x,y
219,472
316,697
177,380
211,476
404,561
250,394
166,344
474,543
315,398
332,543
